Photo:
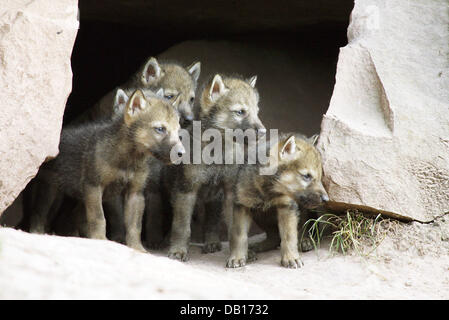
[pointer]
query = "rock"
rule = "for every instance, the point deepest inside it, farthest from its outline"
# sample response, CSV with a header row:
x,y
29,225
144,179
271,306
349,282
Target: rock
x,y
385,137
36,41
218,17
49,267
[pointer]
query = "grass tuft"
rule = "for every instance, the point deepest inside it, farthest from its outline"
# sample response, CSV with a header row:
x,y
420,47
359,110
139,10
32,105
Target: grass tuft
x,y
351,232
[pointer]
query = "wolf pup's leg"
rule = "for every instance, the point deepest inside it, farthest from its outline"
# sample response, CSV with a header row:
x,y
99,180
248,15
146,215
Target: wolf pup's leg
x,y
212,222
95,221
183,206
27,205
238,243
134,208
288,230
46,195
305,243
115,225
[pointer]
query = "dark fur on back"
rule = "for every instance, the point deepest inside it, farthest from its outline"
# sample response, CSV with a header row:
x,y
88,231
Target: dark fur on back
x,y
79,154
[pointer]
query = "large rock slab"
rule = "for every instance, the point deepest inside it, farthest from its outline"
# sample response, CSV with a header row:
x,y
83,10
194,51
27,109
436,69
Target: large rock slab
x,y
385,137
36,41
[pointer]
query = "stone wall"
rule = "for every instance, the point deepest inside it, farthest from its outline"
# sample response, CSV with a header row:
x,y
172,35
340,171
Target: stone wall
x,y
36,41
385,137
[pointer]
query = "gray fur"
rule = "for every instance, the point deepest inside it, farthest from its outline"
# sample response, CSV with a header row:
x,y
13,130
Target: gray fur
x,y
105,160
193,183
277,201
171,77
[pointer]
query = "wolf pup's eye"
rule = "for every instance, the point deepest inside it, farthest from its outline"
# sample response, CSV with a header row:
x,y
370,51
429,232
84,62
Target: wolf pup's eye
x,y
241,112
169,96
307,177
160,130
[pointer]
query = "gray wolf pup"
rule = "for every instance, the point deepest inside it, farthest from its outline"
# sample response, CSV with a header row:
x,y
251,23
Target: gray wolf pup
x,y
295,187
104,159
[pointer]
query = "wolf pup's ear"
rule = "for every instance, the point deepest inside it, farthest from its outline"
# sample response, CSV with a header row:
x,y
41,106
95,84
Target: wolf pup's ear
x,y
136,104
252,81
151,72
120,100
195,70
160,92
217,88
288,149
314,139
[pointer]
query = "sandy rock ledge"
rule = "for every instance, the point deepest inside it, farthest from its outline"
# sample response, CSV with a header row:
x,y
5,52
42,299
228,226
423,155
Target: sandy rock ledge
x,y
32,266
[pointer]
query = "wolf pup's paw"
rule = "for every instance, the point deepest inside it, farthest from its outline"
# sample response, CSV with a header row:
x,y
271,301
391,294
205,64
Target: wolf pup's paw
x,y
37,229
211,247
236,262
305,245
138,246
178,254
98,236
252,255
290,262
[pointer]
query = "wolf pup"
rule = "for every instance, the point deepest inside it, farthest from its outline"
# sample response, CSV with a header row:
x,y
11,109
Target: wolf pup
x,y
269,224
294,187
71,222
104,159
176,81
68,223
169,80
225,103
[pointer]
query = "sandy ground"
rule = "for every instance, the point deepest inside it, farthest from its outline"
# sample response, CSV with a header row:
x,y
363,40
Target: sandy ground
x,y
412,262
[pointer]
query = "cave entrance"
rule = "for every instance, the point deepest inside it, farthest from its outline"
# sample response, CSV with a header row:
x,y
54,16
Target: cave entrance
x,y
293,49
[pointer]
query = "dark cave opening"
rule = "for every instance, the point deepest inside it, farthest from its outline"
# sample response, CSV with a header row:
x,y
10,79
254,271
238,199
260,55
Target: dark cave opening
x,y
115,37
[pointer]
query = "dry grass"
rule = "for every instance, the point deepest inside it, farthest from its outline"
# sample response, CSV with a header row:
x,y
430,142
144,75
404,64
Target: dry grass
x,y
354,232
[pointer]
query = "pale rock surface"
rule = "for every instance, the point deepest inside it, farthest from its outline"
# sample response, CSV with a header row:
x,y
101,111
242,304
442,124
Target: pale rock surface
x,y
385,137
408,265
36,41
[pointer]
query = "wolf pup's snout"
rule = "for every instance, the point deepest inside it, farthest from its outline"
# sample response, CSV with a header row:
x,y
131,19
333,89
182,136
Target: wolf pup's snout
x,y
189,117
261,131
179,149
